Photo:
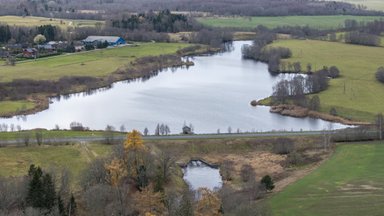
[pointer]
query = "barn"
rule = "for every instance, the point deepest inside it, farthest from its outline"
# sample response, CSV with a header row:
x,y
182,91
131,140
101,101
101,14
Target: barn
x,y
112,40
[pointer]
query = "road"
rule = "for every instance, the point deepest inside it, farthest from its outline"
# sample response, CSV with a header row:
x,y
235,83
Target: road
x,y
170,137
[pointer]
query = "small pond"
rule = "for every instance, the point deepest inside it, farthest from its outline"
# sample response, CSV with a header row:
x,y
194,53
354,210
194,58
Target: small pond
x,y
199,174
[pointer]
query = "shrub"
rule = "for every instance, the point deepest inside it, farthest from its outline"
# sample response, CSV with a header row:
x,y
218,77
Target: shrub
x,y
267,182
247,173
294,158
226,170
334,72
314,103
283,146
380,74
333,111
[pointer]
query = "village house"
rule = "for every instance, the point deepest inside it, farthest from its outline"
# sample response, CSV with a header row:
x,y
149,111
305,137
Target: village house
x,y
111,40
187,130
46,47
30,53
4,53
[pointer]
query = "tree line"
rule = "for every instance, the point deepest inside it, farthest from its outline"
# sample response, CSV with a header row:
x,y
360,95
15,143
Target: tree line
x,y
163,21
73,9
296,88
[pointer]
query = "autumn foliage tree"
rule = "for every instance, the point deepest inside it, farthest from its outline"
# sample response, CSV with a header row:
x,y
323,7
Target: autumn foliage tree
x,y
148,202
209,204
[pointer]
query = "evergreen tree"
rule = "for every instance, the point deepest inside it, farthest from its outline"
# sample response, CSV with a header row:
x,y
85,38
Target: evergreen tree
x,y
49,192
41,189
35,188
142,178
267,182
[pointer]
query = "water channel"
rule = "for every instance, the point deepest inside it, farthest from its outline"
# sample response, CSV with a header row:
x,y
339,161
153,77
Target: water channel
x,y
213,94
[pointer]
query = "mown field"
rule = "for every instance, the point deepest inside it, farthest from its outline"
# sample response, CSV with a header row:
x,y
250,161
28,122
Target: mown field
x,y
15,161
38,21
322,22
350,183
356,94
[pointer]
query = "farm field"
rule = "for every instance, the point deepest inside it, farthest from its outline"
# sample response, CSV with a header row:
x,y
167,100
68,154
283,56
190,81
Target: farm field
x,y
97,63
38,21
322,22
16,160
370,4
356,94
350,183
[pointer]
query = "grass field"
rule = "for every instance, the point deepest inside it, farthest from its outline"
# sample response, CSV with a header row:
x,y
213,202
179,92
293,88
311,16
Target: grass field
x,y
15,161
96,63
370,4
356,94
322,22
350,183
11,106
38,21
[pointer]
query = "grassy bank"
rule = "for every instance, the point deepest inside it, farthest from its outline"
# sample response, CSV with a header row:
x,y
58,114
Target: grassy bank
x,y
30,21
356,94
350,183
322,22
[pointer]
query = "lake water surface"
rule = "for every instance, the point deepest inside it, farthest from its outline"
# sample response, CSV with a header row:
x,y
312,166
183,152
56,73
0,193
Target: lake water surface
x,y
213,94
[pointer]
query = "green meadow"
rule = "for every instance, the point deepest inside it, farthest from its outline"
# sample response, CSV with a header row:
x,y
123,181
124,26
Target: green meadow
x,y
15,161
11,106
356,94
97,63
350,183
322,22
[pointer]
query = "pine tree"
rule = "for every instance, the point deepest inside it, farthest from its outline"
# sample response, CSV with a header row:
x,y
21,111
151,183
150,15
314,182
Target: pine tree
x,y
49,193
35,188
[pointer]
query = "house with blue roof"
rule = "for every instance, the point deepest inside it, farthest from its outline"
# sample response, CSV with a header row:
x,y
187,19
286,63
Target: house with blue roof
x,y
111,40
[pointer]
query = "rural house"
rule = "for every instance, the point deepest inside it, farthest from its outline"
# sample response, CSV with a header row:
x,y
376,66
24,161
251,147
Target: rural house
x,y
4,53
187,130
112,40
29,53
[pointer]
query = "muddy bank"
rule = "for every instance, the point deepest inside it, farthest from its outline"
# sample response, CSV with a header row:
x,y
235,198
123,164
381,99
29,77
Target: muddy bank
x,y
301,112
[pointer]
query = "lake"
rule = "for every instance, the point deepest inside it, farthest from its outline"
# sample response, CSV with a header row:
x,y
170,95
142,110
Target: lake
x,y
213,94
